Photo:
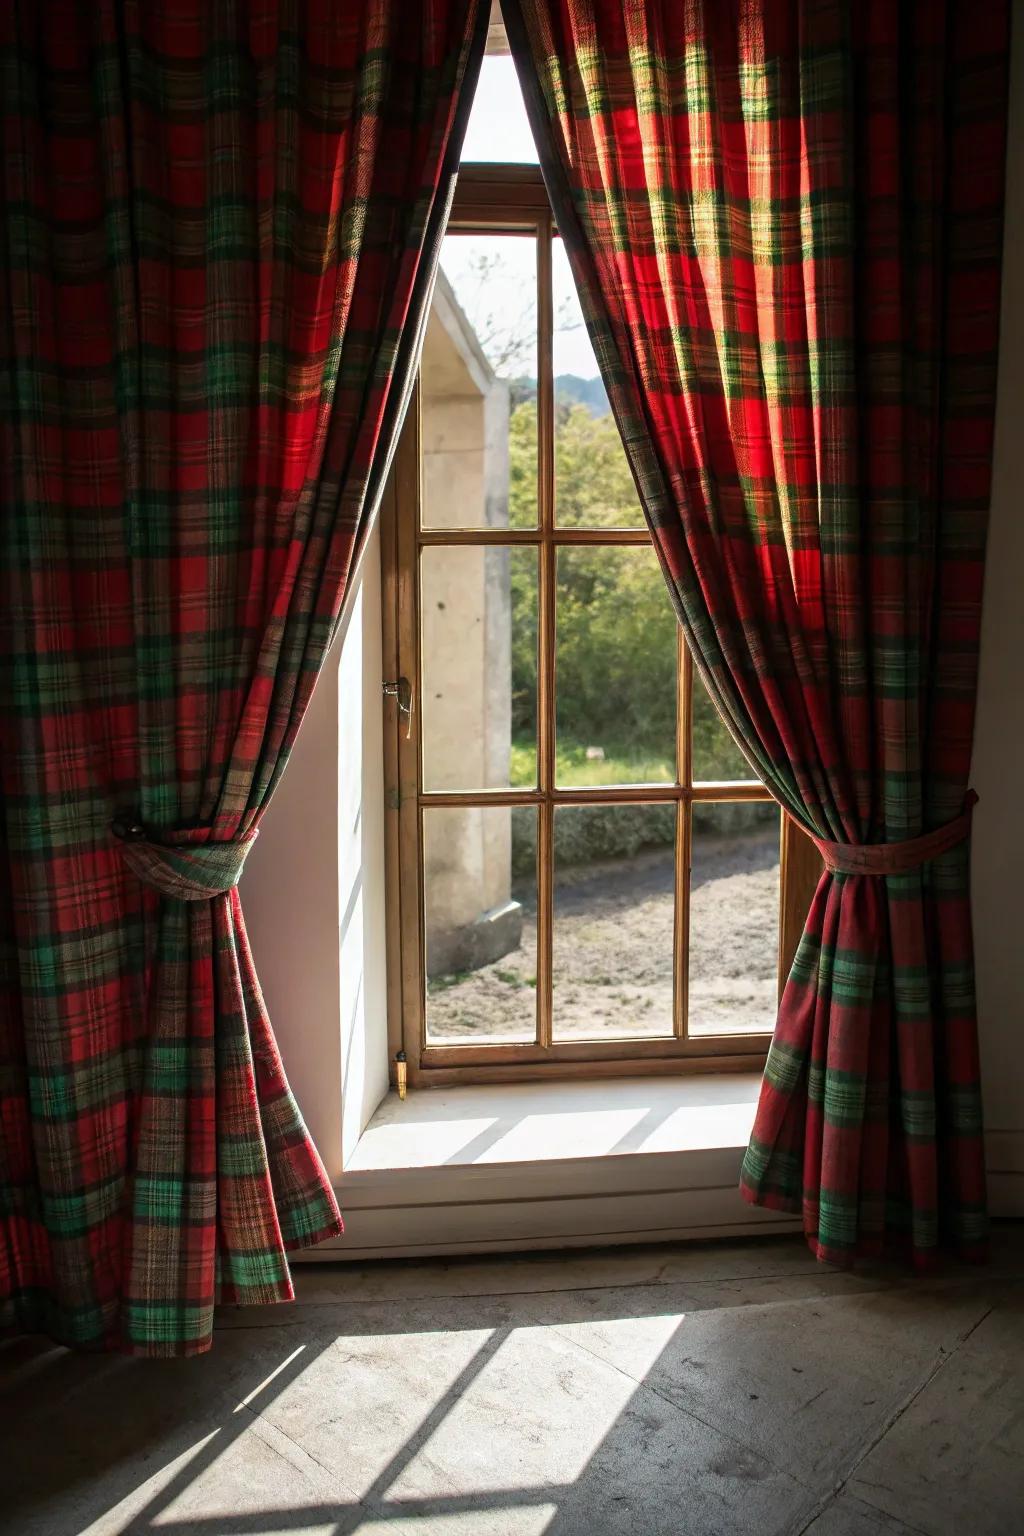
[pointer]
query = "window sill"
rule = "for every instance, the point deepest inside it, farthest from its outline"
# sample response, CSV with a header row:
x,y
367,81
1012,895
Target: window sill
x,y
553,1122
533,1165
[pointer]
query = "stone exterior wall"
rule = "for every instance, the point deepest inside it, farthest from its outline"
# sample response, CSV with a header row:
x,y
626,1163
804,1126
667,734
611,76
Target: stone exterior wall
x,y
465,640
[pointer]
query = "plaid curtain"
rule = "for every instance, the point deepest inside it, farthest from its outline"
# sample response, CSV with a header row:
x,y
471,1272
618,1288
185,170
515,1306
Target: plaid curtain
x,y
221,225
784,217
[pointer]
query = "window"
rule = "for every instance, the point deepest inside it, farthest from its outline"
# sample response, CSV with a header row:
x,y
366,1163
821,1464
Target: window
x,y
582,874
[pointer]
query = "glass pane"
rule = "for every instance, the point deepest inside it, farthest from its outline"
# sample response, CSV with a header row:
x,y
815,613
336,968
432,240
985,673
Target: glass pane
x,y
734,919
478,640
594,485
615,682
613,921
479,385
716,757
498,128
480,920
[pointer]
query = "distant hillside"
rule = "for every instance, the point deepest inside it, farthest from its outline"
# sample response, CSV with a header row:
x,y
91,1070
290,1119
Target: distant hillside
x,y
570,389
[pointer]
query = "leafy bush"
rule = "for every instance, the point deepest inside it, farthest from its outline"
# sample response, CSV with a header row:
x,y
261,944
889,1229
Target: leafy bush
x,y
588,834
585,834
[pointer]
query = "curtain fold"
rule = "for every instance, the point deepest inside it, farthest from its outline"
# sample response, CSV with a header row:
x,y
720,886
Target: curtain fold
x,y
221,226
784,218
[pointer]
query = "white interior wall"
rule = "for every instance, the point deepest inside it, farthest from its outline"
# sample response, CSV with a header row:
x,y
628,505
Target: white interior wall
x,y
998,766
313,890
360,752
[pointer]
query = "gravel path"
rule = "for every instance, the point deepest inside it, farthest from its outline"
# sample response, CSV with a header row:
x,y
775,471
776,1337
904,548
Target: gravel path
x,y
613,951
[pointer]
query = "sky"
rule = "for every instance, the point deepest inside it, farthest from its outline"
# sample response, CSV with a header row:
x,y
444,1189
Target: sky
x,y
501,305
498,128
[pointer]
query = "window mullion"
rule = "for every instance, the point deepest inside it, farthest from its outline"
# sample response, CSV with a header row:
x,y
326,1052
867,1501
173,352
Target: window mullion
x,y
546,632
545,381
680,990
685,711
408,499
684,773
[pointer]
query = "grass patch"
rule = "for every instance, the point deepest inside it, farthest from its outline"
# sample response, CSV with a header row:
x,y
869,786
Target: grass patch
x,y
586,834
437,984
574,770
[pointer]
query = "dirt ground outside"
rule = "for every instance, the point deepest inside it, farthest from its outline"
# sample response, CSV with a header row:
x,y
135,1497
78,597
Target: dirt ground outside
x,y
613,951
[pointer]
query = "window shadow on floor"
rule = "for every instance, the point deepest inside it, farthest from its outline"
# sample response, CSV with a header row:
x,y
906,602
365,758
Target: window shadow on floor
x,y
688,1410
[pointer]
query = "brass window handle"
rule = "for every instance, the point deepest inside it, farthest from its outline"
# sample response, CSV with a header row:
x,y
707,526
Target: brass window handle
x,y
401,691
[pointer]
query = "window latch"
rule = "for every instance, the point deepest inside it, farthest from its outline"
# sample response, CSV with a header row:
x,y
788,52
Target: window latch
x,y
401,691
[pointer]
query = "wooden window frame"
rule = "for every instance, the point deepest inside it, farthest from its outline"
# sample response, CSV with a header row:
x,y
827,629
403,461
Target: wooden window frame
x,y
512,199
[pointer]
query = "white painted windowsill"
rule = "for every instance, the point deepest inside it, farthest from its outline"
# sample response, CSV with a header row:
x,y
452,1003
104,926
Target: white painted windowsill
x,y
542,1165
552,1122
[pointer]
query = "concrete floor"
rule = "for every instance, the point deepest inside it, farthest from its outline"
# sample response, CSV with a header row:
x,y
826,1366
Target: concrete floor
x,y
670,1391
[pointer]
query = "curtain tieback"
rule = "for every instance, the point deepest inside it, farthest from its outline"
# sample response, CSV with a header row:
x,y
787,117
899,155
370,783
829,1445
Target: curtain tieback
x,y
174,865
896,858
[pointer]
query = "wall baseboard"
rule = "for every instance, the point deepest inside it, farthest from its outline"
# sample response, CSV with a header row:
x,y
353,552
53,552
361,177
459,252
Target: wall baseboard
x,y
1004,1160
581,1202
577,1202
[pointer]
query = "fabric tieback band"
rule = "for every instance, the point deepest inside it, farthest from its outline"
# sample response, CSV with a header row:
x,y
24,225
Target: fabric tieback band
x,y
182,869
896,858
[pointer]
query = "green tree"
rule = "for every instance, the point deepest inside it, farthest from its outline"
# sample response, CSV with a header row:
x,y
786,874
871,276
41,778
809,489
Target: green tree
x,y
615,624
593,482
616,652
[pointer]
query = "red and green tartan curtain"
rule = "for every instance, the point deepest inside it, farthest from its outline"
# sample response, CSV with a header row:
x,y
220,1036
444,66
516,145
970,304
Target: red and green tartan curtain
x,y
221,224
784,218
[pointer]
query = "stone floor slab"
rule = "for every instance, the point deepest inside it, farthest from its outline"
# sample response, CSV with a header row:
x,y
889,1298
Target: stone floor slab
x,y
103,1444
668,1392
568,1269
847,1516
807,1383
954,1461
516,1419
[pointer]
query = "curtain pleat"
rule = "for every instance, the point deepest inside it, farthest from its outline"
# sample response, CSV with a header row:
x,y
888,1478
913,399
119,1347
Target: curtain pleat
x,y
221,227
785,218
